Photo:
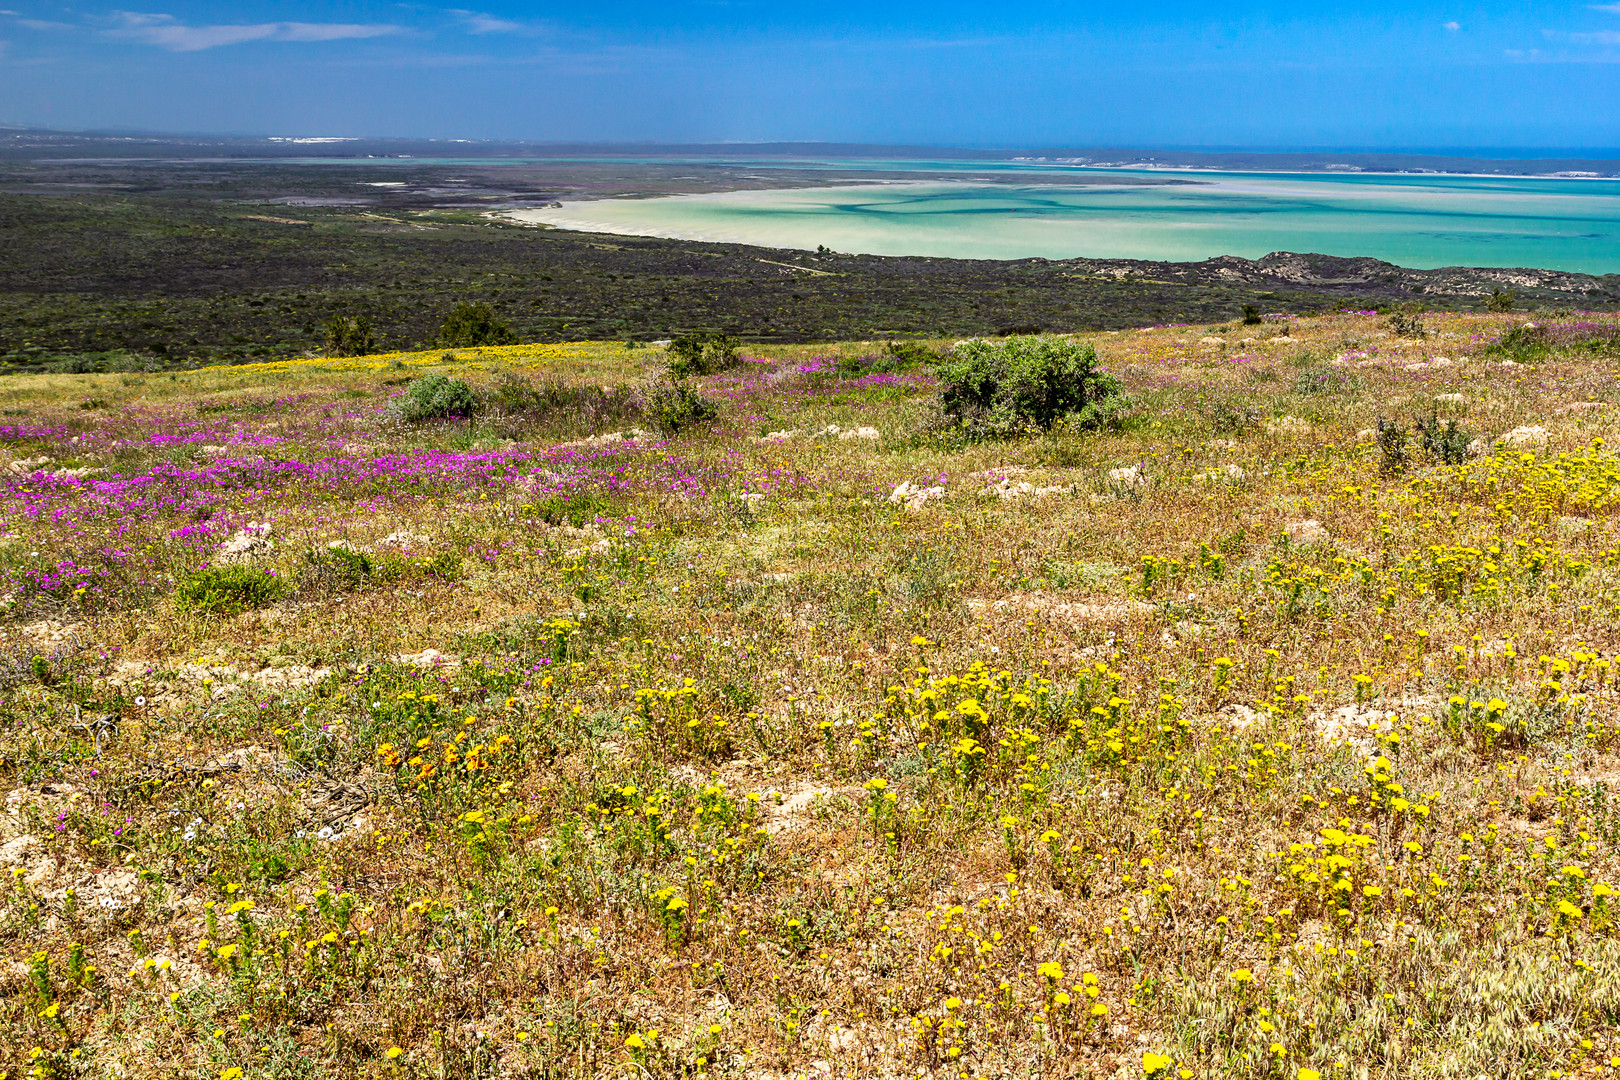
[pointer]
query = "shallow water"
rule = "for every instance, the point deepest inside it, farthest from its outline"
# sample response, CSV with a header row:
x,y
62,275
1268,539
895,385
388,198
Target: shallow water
x,y
1412,220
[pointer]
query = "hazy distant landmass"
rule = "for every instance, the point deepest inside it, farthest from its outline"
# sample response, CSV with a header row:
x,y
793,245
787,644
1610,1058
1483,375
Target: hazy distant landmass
x,y
32,142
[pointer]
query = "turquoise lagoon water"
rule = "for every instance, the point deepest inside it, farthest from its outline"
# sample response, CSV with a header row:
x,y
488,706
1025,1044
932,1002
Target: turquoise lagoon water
x,y
1412,220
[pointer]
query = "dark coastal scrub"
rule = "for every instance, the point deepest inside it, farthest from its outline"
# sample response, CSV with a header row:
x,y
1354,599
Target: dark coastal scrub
x,y
201,262
530,739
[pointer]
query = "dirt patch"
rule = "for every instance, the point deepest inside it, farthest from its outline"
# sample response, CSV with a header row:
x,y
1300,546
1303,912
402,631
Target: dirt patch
x,y
1104,611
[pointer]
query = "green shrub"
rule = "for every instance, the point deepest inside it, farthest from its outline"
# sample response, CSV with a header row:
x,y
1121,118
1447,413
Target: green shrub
x,y
674,406
897,356
470,325
227,590
701,353
445,566
1319,379
585,407
1393,455
73,365
1251,315
1229,418
1407,320
1028,384
335,569
575,510
1449,443
1500,301
350,336
435,397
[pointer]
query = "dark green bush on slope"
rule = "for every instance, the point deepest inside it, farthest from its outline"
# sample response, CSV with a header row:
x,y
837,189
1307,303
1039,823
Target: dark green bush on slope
x,y
470,325
1028,384
701,354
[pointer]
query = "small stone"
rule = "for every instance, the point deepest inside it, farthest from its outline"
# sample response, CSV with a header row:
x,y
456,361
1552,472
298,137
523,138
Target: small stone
x,y
1308,531
1526,437
1288,425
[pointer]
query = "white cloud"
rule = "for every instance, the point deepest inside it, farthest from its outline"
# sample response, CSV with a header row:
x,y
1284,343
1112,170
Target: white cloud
x,y
1454,26
170,33
1600,37
1612,9
477,22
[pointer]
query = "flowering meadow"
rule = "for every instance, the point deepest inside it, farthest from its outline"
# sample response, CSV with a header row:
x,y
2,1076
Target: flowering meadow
x,y
1271,734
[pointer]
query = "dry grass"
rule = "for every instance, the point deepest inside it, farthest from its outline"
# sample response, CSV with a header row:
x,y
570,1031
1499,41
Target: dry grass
x,y
703,758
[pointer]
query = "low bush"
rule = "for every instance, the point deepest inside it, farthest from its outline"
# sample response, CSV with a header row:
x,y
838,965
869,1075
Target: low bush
x,y
575,510
350,335
73,365
1448,443
701,353
1028,384
227,590
1530,343
674,406
1407,321
435,397
335,569
586,408
1230,418
469,326
1394,455
1500,301
1324,380
897,357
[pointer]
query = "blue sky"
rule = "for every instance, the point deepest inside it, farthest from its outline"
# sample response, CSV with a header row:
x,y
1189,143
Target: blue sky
x,y
1368,74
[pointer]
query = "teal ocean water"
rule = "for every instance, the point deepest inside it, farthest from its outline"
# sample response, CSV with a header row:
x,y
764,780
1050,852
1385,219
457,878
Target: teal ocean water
x,y
1413,220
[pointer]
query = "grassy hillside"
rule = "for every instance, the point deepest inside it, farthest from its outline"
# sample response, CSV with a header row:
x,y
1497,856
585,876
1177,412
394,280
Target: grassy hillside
x,y
1249,739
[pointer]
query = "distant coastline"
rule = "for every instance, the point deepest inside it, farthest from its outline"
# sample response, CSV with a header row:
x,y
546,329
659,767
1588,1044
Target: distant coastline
x,y
18,143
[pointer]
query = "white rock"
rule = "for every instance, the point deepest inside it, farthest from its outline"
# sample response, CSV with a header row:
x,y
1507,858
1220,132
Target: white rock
x,y
1020,489
1525,437
1308,531
1228,472
870,433
248,544
1450,399
1288,425
913,496
1130,475
606,439
404,539
428,658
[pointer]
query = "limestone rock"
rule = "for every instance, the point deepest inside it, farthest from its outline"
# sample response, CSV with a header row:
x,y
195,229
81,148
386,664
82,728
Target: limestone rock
x,y
1524,437
1307,531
